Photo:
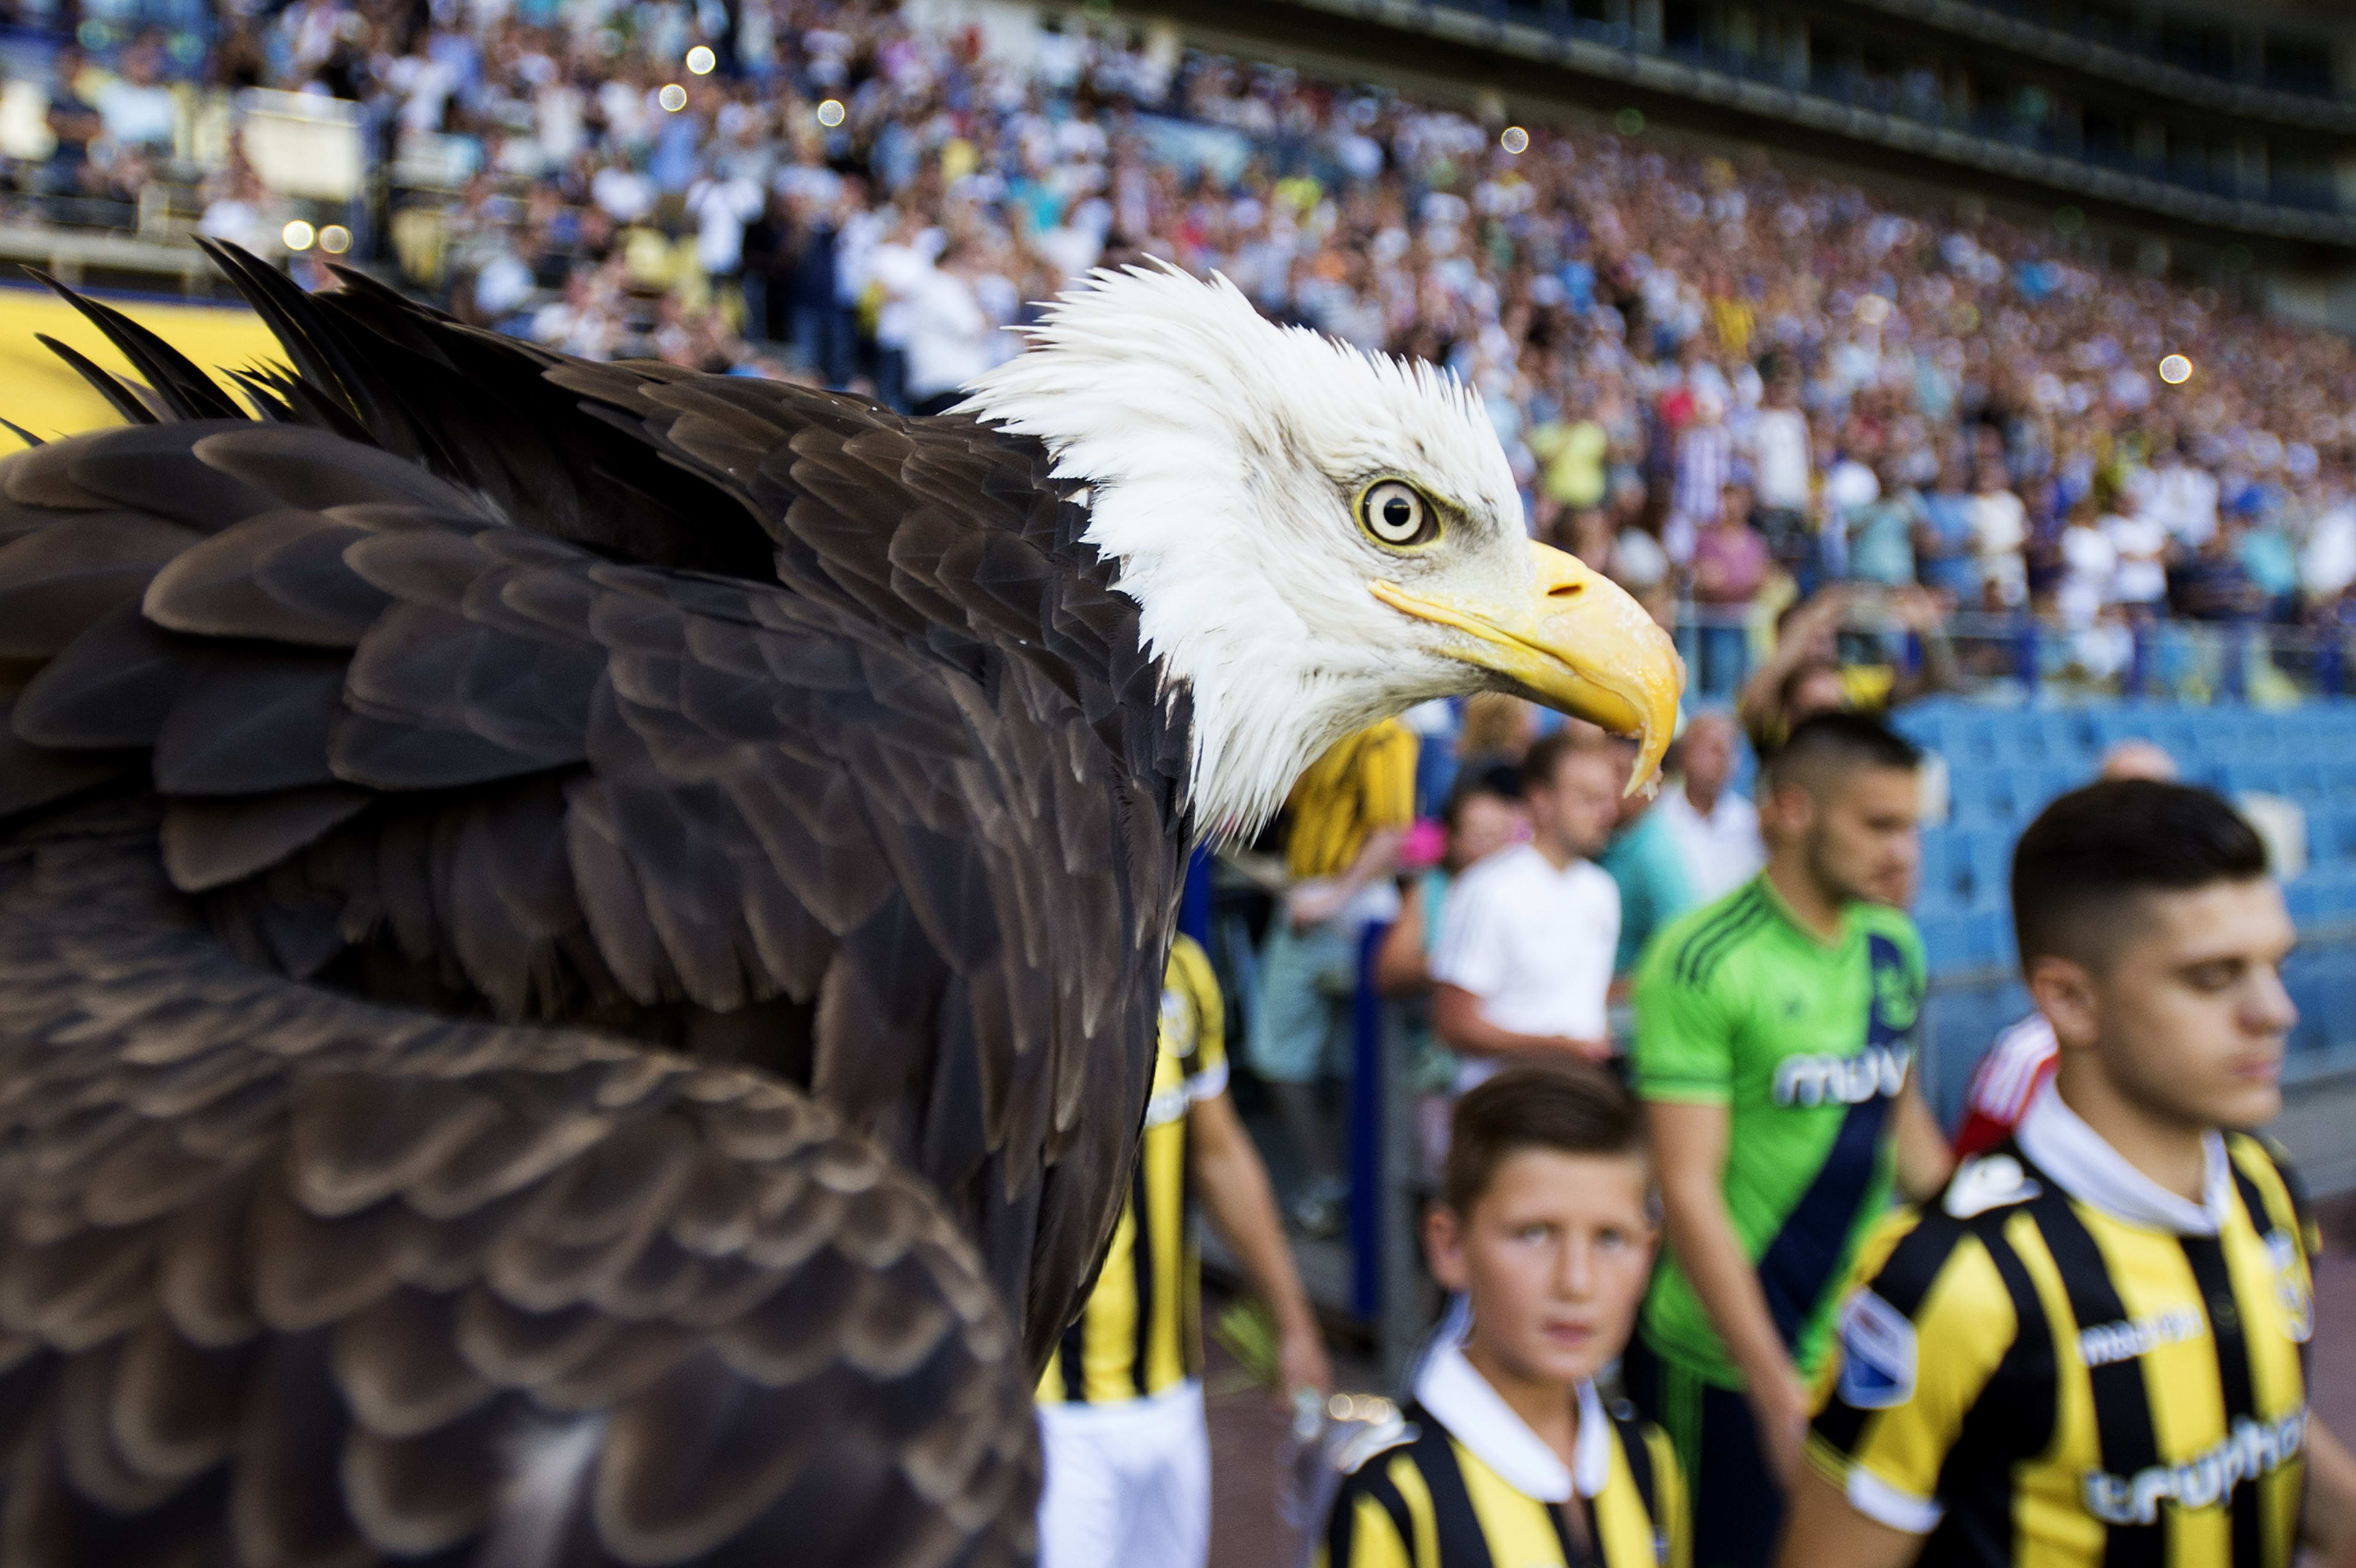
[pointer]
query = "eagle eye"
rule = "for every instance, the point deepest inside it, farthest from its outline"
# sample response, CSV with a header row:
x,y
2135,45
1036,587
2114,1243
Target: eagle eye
x,y
1397,514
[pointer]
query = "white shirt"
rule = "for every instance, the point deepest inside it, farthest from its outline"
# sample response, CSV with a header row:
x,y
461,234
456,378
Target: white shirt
x,y
1534,944
2140,541
721,208
1779,444
949,338
1721,851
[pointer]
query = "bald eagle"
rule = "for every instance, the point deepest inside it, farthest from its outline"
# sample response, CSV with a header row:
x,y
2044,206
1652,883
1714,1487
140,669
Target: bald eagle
x,y
578,943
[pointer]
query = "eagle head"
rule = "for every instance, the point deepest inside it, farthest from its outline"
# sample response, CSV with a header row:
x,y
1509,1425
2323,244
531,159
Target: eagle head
x,y
1316,537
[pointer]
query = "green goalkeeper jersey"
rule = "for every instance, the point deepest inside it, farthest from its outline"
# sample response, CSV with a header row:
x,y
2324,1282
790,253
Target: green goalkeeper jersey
x,y
1808,1045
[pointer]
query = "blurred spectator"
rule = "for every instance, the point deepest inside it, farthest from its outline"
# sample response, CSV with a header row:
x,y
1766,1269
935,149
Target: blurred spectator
x,y
1807,673
1344,824
1881,532
1943,538
1999,530
948,337
2211,583
136,107
2142,547
2089,564
1716,829
1496,729
1483,815
1784,477
73,124
1524,958
1729,566
1647,862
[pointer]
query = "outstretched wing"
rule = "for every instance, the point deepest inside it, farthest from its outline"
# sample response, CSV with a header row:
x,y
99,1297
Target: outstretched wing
x,y
733,715
287,1277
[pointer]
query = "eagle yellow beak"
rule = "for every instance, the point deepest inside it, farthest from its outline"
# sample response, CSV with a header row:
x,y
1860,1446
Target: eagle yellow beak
x,y
1578,643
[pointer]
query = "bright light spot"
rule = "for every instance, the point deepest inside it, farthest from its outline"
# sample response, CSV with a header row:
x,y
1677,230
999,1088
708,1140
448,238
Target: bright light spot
x,y
700,59
1872,309
335,238
2176,369
298,235
673,97
830,113
1515,140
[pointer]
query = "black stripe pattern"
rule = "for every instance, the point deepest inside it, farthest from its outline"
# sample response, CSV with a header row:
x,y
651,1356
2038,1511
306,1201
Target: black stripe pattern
x,y
1710,941
2135,1535
1462,1542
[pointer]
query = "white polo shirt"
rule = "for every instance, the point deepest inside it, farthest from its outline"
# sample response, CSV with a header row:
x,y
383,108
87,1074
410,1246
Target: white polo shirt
x,y
1721,851
1534,944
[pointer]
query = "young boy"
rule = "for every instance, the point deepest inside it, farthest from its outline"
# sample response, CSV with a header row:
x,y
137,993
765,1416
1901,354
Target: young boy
x,y
1508,1458
2091,1349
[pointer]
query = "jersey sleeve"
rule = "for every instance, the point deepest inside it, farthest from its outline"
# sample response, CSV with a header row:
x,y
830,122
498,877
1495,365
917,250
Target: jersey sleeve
x,y
1684,1034
1191,973
1920,1339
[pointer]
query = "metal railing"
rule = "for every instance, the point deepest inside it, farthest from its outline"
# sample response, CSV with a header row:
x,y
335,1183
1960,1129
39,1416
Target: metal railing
x,y
2020,657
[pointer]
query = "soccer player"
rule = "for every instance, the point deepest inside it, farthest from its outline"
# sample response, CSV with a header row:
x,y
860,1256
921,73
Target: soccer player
x,y
2021,1061
2091,1350
1774,1052
1120,1407
1508,1458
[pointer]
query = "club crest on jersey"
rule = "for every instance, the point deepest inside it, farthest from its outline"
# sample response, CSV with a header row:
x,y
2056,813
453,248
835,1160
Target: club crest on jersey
x,y
1878,1353
2292,1291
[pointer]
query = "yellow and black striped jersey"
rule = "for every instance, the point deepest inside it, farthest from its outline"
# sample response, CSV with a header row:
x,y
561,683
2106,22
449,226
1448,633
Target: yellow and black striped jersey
x,y
1140,1331
2063,1364
1364,783
1471,1485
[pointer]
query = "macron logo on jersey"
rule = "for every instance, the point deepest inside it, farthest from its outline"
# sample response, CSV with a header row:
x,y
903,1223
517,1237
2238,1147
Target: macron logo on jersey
x,y
2106,1342
1876,1071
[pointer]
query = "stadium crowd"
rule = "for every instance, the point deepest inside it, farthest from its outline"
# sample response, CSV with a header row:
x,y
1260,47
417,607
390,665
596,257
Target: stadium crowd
x,y
1729,383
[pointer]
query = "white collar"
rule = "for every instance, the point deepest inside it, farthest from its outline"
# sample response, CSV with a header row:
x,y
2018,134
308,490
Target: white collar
x,y
2059,1143
1476,1415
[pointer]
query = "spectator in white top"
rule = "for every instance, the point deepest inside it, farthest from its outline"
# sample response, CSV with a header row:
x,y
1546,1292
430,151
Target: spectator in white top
x,y
721,205
948,333
2180,497
1717,830
2000,529
137,109
1527,938
1783,473
2140,581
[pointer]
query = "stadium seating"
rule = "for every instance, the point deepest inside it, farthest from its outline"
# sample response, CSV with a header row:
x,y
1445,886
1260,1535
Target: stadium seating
x,y
2005,765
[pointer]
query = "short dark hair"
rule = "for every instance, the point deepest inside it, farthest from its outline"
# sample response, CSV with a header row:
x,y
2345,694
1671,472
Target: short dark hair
x,y
1544,758
1570,1110
1499,780
2097,848
1856,740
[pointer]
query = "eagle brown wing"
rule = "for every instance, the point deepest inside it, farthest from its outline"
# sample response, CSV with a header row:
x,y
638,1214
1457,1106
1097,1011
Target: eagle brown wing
x,y
288,1278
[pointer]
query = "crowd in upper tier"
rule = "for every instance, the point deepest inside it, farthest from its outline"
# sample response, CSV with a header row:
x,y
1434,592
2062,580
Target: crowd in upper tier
x,y
1729,382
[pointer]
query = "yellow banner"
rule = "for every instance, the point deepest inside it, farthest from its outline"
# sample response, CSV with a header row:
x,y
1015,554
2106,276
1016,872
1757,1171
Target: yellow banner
x,y
39,391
